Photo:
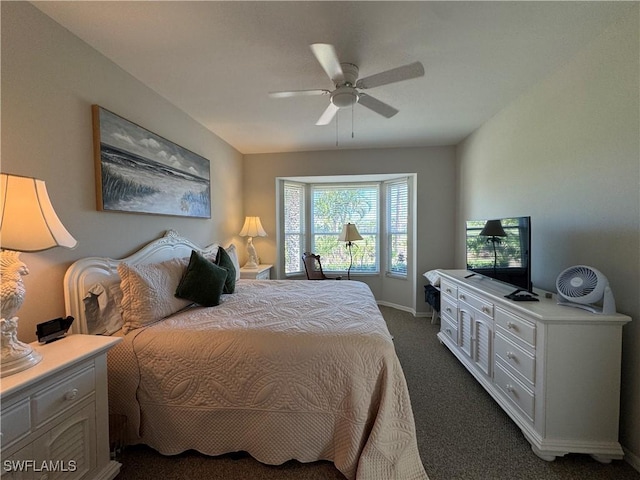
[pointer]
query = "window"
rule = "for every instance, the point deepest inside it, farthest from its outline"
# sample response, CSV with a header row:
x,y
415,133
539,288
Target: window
x,y
331,207
397,226
315,212
294,231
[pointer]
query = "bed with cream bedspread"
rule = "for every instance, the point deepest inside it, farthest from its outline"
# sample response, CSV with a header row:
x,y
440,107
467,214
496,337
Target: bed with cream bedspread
x,y
283,370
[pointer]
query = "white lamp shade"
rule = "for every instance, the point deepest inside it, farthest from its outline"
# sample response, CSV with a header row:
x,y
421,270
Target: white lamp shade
x,y
28,222
252,228
349,233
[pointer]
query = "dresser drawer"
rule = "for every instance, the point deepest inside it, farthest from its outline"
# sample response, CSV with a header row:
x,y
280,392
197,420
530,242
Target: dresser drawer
x,y
520,361
520,328
16,422
477,303
516,392
448,308
448,288
48,403
449,329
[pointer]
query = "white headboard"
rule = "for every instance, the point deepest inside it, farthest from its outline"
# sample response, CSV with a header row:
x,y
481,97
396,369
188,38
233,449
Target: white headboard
x,y
86,272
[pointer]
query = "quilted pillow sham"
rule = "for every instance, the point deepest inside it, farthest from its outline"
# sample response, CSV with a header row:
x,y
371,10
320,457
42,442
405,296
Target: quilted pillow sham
x,y
202,282
233,255
148,291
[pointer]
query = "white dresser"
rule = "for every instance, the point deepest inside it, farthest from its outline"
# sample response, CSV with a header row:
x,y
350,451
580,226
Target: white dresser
x,y
555,370
55,416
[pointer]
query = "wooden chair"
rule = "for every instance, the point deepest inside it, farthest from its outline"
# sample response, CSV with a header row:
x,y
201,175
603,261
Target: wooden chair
x,y
313,267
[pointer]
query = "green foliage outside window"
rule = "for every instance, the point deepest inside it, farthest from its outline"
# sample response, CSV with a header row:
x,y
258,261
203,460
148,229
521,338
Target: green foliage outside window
x,y
508,249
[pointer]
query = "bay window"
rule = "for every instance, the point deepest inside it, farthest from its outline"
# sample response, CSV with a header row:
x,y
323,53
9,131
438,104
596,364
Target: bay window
x,y
314,212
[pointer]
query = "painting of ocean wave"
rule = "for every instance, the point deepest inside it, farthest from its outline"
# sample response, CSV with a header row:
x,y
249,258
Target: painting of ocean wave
x,y
139,171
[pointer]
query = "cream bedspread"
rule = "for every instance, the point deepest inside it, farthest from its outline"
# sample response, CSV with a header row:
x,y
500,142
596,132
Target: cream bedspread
x,y
281,369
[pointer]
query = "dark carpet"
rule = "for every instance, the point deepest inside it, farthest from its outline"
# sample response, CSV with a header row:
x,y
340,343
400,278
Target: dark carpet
x,y
462,433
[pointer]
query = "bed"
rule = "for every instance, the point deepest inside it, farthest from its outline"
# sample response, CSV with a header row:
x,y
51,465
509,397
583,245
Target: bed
x,y
281,369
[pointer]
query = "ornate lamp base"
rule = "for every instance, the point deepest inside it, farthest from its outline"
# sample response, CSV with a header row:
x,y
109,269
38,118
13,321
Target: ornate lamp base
x,y
16,355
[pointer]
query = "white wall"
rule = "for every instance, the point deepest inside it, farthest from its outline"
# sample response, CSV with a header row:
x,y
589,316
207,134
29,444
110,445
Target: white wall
x,y
567,153
435,169
50,79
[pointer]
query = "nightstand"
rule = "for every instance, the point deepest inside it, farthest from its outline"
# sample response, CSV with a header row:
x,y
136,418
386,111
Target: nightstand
x,y
55,415
263,272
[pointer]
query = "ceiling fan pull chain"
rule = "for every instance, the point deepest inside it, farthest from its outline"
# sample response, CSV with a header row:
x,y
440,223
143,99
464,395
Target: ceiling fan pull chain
x,y
352,136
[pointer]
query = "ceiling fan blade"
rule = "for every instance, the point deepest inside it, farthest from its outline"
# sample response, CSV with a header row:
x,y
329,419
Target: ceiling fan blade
x,y
298,93
377,106
328,58
328,115
406,72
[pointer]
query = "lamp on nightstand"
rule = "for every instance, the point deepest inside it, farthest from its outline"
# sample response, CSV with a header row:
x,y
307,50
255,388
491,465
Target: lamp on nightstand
x,y
252,228
28,223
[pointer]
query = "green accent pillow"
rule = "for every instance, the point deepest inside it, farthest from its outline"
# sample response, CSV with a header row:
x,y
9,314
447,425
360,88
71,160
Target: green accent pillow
x,y
202,282
224,260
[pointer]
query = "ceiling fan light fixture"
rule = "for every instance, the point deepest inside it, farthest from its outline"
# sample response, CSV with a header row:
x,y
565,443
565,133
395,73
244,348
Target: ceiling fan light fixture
x,y
344,97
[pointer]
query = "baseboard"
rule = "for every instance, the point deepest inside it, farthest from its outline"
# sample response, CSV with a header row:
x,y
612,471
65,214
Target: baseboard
x,y
397,307
404,309
631,458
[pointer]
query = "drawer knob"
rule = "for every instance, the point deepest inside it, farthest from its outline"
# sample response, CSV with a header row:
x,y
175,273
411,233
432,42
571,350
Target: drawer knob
x,y
511,325
448,330
462,297
486,309
510,388
71,394
510,355
449,309
448,290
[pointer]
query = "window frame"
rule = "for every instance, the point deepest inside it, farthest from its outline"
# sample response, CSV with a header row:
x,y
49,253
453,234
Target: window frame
x,y
383,253
388,184
336,186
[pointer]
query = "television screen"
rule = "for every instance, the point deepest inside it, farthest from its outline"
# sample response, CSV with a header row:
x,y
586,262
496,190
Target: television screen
x,y
500,249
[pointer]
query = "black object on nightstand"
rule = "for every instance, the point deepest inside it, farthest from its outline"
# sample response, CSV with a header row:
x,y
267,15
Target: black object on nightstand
x,y
53,330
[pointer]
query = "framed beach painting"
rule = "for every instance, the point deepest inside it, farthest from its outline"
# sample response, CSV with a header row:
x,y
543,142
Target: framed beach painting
x,y
138,171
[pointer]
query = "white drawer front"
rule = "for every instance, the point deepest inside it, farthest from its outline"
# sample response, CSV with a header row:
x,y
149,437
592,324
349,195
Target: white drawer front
x,y
50,402
517,393
449,329
517,326
448,308
448,288
266,275
16,422
481,305
519,360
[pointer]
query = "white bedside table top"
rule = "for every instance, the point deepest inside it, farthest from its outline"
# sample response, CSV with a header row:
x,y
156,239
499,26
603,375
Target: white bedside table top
x,y
260,268
56,356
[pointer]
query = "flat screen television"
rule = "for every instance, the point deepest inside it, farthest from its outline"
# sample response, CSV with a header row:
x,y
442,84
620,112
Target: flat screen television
x,y
501,249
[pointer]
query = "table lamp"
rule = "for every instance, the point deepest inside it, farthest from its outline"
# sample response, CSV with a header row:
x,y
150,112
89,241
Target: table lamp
x,y
28,223
252,228
349,234
493,229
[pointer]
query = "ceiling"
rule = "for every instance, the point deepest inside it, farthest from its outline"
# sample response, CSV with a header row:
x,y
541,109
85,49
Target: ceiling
x,y
217,61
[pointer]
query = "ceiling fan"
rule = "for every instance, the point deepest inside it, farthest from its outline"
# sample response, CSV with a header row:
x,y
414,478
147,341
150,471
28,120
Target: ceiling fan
x,y
345,78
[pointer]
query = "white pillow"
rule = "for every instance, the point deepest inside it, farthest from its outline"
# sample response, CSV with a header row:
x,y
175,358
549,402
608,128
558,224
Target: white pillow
x,y
433,276
233,254
148,291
